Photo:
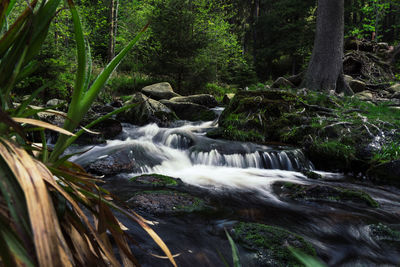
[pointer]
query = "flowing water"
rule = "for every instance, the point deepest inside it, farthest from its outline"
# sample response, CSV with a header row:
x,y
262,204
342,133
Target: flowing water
x,y
239,178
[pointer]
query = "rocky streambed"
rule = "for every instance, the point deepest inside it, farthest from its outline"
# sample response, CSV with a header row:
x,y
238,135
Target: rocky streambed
x,y
268,197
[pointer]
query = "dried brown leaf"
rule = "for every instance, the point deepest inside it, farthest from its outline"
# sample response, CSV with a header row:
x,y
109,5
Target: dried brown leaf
x,y
44,125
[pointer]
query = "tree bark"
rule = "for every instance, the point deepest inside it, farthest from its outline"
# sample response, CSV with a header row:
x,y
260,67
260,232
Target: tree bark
x,y
325,70
111,32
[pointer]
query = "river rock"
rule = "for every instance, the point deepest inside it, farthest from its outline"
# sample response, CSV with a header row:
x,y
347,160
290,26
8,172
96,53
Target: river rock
x,y
202,99
388,173
190,111
167,202
61,104
147,111
155,181
104,130
322,193
271,244
159,91
101,108
282,83
118,162
357,86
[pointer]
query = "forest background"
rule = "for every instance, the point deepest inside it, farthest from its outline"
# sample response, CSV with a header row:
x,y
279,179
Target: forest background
x,y
202,46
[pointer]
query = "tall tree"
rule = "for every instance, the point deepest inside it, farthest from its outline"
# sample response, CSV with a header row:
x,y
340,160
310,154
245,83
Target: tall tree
x,y
325,70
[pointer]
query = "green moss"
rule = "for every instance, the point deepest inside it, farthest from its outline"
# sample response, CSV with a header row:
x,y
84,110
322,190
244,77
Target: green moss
x,y
357,195
385,233
333,150
389,152
155,179
180,202
337,194
271,243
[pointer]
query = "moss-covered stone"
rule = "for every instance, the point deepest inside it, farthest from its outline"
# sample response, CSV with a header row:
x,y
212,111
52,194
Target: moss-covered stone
x,y
156,180
271,243
336,133
167,202
384,233
315,193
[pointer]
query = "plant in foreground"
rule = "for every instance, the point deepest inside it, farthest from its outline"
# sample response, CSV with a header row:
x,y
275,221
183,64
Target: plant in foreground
x,y
52,213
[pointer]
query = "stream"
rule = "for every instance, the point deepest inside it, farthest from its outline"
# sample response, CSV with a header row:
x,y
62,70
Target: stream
x,y
242,181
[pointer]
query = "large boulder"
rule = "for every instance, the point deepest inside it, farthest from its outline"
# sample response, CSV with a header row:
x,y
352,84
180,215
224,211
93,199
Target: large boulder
x,y
146,111
102,131
121,161
159,91
202,99
190,111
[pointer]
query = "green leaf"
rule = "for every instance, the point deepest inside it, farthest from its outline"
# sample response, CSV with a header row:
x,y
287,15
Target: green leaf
x,y
235,251
307,260
10,243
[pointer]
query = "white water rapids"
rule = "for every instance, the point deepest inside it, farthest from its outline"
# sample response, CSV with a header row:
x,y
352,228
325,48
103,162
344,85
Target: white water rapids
x,y
185,152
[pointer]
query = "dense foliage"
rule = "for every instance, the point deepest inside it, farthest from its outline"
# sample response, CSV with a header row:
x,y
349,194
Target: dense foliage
x,y
192,43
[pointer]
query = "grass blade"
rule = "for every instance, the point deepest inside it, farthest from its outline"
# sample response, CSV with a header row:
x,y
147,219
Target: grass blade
x,y
235,251
14,245
307,260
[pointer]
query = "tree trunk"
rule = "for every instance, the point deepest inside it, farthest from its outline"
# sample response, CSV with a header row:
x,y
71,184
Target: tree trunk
x,y
111,31
325,70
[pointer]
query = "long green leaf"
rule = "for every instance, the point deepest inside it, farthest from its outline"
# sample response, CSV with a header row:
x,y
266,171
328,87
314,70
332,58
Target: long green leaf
x,y
14,245
235,251
7,40
307,260
72,139
81,72
24,104
4,4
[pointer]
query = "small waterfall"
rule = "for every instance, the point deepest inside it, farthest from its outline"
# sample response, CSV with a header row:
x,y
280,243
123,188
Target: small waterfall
x,y
185,152
284,160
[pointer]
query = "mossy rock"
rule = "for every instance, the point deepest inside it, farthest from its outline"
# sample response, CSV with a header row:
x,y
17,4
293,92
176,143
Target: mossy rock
x,y
155,181
167,202
315,193
338,134
271,243
312,175
331,155
385,234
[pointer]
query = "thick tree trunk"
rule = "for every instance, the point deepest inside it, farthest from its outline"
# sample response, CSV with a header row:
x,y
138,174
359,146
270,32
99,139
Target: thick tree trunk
x,y
325,70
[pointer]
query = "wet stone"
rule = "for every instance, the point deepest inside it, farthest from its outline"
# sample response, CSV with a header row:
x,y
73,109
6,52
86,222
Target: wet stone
x,y
271,244
167,202
321,193
155,181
